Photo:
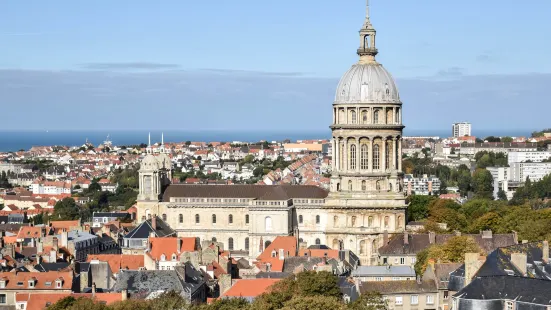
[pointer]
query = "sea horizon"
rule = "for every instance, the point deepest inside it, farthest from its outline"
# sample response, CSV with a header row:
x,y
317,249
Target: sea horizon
x,y
14,140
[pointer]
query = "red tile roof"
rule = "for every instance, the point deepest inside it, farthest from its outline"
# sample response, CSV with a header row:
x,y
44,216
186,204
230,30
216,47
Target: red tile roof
x,y
37,301
119,261
41,279
29,232
169,246
249,287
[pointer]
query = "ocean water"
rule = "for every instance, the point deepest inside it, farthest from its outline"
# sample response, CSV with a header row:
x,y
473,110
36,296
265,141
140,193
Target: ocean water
x,y
17,140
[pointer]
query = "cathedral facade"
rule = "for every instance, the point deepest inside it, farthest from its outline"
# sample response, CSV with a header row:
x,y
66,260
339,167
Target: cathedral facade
x,y
364,206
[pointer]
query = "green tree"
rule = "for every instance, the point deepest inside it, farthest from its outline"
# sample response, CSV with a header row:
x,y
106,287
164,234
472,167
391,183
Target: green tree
x,y
507,139
443,187
419,207
320,302
483,184
464,182
369,301
453,251
66,209
501,195
63,303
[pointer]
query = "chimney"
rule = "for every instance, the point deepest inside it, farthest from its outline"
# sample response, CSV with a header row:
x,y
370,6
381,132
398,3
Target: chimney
x,y
64,239
303,245
418,278
324,259
486,234
406,238
154,222
39,247
473,262
385,237
515,237
281,254
33,243
53,256
124,295
55,243
545,250
432,237
178,244
519,260
93,289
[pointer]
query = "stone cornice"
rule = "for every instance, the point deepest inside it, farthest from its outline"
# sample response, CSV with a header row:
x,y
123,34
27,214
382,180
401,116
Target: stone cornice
x,y
368,126
211,230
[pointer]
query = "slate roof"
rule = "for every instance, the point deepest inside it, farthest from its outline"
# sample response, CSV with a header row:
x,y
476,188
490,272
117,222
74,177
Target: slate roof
x,y
384,271
185,278
535,291
144,230
398,287
443,273
253,191
419,242
45,267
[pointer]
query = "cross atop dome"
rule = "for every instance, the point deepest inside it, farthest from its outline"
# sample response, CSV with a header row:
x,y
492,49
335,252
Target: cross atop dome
x,y
367,50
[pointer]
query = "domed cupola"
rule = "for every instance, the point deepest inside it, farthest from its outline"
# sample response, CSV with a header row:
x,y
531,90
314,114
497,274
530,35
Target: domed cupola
x,y
367,81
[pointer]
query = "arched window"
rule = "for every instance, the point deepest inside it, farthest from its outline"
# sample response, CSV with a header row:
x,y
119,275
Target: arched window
x,y
268,223
350,185
181,218
164,217
389,116
317,219
247,243
364,156
386,221
230,219
367,42
300,240
362,247
341,116
213,239
387,90
376,161
335,245
390,187
318,242
364,117
399,221
397,116
246,219
387,154
197,219
300,219
214,218
267,244
352,163
335,221
338,187
353,221
230,244
370,221
353,117
375,247
364,185
376,117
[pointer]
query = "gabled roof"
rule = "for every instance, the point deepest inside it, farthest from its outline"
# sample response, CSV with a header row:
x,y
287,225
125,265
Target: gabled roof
x,y
169,246
41,280
38,301
384,271
521,289
30,232
144,230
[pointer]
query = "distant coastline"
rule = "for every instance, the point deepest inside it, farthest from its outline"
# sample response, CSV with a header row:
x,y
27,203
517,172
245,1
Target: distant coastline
x,y
20,139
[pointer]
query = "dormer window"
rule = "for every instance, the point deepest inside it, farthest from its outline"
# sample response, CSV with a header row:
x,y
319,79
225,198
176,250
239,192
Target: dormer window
x,y
274,253
173,257
2,283
163,257
58,283
31,283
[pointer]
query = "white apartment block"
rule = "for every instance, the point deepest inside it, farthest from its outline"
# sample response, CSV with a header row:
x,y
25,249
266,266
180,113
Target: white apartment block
x,y
533,156
424,185
535,171
501,176
51,188
461,129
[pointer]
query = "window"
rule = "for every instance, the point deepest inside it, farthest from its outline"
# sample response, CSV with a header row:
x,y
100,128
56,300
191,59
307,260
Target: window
x,y
446,294
268,223
376,164
213,239
31,283
19,283
370,221
3,299
430,299
509,305
214,218
362,247
352,163
230,244
181,218
173,257
364,156
413,260
246,219
364,117
197,219
414,299
58,284
317,219
402,260
230,219
364,186
350,185
300,219
247,244
387,154
2,284
353,117
386,221
399,300
164,217
378,279
318,242
376,117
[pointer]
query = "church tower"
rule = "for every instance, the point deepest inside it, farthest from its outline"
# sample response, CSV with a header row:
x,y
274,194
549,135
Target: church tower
x,y
366,203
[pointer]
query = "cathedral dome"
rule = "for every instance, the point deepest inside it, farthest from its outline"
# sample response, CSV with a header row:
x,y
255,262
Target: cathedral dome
x,y
149,163
367,83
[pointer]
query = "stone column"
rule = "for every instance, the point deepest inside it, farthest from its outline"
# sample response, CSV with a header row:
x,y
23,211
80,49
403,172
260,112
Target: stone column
x,y
400,154
393,165
383,156
370,155
394,121
358,154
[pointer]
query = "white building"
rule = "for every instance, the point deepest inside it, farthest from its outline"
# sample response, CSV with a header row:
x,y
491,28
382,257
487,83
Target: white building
x,y
424,185
501,176
461,129
535,171
51,188
533,156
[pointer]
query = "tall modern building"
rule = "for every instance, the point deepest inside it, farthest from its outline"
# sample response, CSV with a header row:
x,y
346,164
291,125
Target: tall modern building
x,y
364,206
461,129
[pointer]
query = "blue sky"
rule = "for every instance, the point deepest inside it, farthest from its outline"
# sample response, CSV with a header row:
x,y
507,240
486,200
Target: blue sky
x,y
252,62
